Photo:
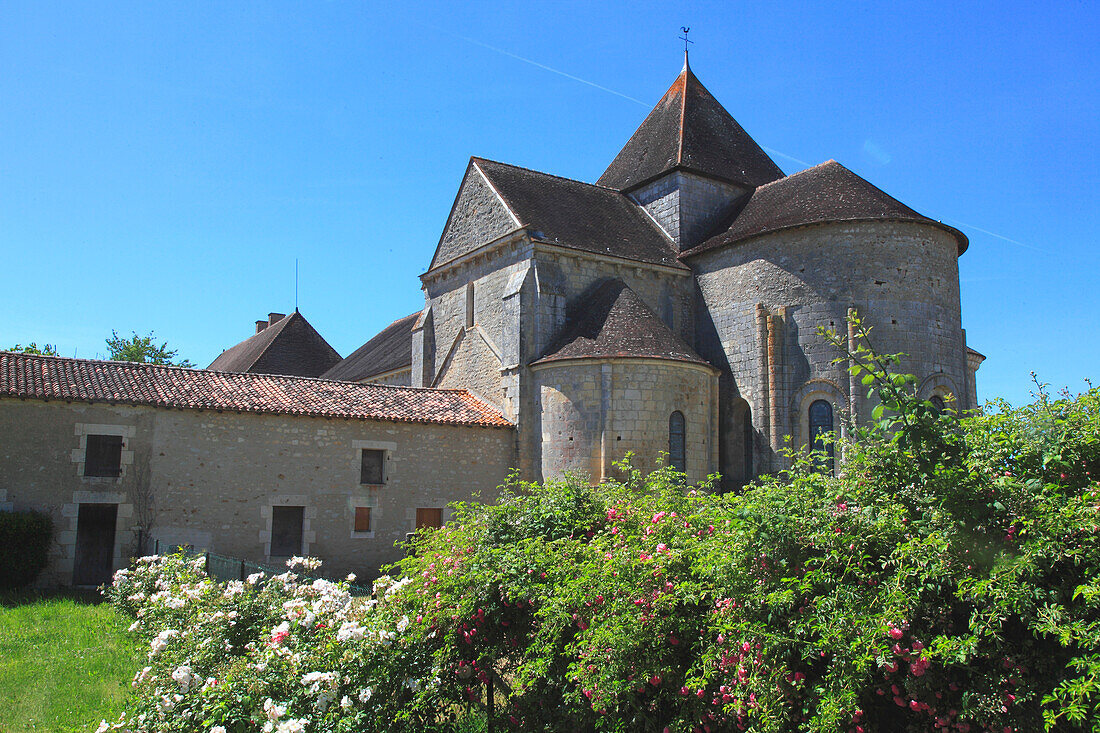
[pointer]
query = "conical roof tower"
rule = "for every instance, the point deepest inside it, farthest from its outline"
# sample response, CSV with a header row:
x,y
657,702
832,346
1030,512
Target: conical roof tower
x,y
689,164
690,130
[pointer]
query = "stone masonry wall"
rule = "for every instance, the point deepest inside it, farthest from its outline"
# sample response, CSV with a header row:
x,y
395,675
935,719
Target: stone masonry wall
x,y
213,477
687,206
901,277
478,217
473,357
595,411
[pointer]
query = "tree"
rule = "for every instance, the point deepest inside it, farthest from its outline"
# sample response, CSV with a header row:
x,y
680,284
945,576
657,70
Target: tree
x,y
142,349
33,348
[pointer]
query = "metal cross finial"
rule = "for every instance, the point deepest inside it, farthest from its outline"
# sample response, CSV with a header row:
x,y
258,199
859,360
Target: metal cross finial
x,y
684,38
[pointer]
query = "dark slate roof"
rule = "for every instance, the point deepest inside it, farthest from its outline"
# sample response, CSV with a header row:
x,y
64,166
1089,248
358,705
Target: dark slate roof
x,y
289,346
84,380
579,215
389,350
610,320
690,130
825,193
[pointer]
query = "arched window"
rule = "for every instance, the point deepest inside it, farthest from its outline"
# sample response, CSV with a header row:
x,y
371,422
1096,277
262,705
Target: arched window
x,y
677,442
747,441
937,403
821,425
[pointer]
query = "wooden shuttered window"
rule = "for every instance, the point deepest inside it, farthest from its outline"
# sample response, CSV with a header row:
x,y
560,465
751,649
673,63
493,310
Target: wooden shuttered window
x,y
362,519
103,456
429,517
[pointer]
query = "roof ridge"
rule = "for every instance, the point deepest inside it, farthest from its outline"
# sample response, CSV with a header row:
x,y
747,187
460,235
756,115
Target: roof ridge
x,y
548,175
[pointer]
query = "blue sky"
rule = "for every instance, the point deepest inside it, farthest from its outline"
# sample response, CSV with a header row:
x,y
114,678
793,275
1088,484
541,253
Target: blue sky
x,y
162,165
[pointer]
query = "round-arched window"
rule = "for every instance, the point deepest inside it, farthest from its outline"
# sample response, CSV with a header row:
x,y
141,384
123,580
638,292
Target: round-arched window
x,y
821,427
677,442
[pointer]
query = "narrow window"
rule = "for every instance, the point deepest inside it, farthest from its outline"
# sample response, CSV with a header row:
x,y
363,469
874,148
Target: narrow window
x,y
937,403
362,519
286,530
747,439
103,456
469,305
370,471
429,517
821,428
677,444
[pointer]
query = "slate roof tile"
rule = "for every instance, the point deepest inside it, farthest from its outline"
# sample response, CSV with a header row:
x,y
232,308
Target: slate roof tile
x,y
30,376
611,321
289,346
690,130
579,215
826,193
389,350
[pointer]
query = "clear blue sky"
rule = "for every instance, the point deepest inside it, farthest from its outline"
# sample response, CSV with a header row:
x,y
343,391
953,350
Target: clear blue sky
x,y
163,164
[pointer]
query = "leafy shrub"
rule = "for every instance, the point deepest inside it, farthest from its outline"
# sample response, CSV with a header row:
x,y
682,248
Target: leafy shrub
x,y
947,579
24,543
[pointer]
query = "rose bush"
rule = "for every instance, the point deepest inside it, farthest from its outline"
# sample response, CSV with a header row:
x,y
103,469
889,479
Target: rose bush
x,y
946,579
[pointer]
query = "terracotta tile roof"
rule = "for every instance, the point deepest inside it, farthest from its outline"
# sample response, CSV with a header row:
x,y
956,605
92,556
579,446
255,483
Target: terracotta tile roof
x,y
823,194
84,380
690,130
611,321
289,346
579,215
389,350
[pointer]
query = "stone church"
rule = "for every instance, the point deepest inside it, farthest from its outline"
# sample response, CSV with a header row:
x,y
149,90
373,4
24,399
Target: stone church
x,y
670,308
673,304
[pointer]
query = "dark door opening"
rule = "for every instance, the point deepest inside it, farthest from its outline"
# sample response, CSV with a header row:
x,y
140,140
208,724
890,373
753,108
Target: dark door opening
x,y
286,530
95,544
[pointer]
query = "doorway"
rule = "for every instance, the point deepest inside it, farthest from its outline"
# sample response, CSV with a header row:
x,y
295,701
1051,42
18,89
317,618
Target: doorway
x,y
95,544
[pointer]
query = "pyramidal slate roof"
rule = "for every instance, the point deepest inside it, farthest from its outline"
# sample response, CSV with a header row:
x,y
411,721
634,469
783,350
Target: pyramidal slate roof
x,y
289,346
27,376
389,350
690,130
612,321
579,215
828,192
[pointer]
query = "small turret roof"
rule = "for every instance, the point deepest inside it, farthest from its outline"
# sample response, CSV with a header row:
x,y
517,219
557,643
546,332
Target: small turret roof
x,y
826,193
612,321
690,130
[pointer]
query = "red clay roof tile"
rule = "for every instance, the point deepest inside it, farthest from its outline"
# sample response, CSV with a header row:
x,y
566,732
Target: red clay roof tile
x,y
86,380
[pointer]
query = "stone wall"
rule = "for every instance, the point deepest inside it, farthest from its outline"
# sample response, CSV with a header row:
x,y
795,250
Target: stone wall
x,y
595,411
901,277
209,479
687,206
397,378
477,217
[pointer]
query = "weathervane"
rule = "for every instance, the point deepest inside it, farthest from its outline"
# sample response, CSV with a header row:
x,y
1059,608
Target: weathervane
x,y
684,38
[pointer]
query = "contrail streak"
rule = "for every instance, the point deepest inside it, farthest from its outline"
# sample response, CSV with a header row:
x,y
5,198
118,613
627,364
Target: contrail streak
x,y
594,84
998,236
549,68
773,151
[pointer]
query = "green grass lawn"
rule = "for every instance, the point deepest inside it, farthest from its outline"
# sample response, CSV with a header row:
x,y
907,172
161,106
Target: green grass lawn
x,y
65,663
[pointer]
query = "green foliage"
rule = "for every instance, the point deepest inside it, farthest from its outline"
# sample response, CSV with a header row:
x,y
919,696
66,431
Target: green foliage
x,y
24,544
948,578
33,348
142,349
